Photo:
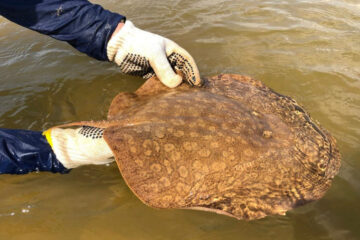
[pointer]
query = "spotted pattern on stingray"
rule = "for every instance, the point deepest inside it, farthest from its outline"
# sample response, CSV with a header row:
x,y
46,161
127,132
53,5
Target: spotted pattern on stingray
x,y
234,147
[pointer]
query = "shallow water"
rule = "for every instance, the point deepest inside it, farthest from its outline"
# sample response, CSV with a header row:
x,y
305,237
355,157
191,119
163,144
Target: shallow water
x,y
308,50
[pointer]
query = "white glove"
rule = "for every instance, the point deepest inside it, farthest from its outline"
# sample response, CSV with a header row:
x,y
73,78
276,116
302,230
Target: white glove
x,y
145,54
81,146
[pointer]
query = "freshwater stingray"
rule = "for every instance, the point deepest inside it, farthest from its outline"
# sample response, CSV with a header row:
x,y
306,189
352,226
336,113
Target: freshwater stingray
x,y
232,146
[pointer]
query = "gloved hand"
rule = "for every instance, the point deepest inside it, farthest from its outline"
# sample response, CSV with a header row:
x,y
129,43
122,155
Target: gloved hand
x,y
142,53
77,147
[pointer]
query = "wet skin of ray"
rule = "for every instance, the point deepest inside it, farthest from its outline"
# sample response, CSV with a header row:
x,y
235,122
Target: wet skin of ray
x,y
234,147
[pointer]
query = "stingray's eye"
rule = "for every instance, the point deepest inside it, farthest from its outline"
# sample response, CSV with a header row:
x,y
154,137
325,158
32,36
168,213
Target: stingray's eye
x,y
91,132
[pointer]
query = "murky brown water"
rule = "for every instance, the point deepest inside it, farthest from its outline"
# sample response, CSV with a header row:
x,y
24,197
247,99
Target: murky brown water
x,y
309,50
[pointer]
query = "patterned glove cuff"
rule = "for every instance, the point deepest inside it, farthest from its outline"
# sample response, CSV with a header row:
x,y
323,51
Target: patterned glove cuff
x,y
118,39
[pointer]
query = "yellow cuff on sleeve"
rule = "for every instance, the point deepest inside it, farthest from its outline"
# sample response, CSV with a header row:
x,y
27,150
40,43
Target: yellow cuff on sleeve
x,y
47,134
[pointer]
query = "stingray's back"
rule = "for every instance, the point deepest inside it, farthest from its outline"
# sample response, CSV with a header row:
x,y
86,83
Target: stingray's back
x,y
234,147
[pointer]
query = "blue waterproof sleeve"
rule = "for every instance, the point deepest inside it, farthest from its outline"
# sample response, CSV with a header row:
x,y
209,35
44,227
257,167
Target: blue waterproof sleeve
x,y
86,26
23,151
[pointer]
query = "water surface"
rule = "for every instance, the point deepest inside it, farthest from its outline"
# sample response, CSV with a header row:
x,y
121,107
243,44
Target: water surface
x,y
308,50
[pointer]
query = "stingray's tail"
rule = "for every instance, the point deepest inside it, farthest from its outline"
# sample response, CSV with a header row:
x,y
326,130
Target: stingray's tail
x,y
97,124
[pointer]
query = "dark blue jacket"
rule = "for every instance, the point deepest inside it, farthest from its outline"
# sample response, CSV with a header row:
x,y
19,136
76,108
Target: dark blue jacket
x,y
86,26
23,151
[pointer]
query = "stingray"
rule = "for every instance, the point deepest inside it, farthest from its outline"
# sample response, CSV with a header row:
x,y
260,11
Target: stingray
x,y
232,146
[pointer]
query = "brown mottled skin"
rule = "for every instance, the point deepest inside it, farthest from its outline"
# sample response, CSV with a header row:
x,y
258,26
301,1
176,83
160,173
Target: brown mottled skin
x,y
233,146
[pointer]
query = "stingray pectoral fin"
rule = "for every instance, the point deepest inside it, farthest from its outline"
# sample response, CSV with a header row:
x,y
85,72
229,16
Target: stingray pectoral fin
x,y
168,166
221,212
121,102
138,159
226,79
125,100
152,163
241,217
152,87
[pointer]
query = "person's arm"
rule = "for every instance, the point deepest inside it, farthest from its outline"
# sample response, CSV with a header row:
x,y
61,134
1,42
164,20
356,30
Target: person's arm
x,y
91,29
24,151
55,150
86,26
